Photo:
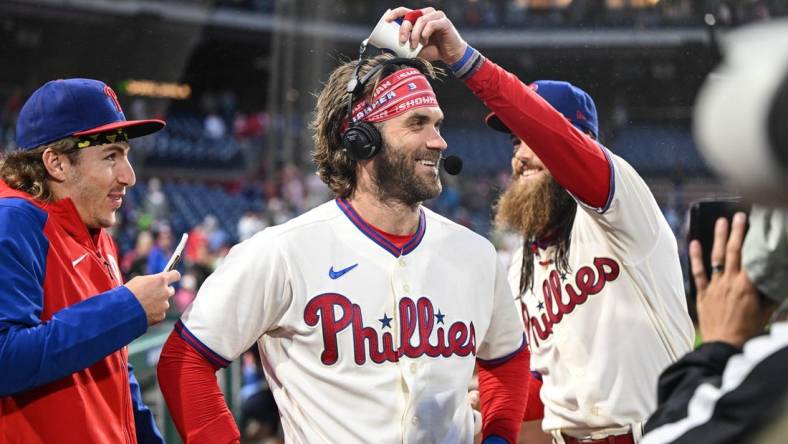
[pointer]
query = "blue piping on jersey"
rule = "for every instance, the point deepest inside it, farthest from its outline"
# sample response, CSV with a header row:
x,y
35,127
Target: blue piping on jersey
x,y
503,359
199,346
376,237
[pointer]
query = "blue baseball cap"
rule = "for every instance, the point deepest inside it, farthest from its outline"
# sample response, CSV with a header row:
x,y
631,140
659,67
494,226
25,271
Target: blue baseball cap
x,y
74,107
574,103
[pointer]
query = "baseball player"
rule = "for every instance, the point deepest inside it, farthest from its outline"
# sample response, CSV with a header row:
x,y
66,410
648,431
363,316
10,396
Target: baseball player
x,y
598,275
66,315
370,311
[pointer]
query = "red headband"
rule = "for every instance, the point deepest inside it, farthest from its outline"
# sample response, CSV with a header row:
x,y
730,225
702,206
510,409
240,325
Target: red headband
x,y
396,94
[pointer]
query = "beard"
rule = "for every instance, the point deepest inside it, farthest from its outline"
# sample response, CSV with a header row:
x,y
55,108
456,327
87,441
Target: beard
x,y
534,210
396,179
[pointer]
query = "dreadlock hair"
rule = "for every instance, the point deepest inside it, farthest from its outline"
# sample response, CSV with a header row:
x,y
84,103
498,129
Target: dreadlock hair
x,y
562,239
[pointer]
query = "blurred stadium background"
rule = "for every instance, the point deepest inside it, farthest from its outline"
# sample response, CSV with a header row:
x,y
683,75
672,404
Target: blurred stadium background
x,y
235,80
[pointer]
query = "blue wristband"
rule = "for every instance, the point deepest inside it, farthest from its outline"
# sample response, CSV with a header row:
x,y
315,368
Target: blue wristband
x,y
470,62
494,439
456,66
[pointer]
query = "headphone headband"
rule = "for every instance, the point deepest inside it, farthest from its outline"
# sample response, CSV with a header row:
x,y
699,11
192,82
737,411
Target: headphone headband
x,y
362,140
356,86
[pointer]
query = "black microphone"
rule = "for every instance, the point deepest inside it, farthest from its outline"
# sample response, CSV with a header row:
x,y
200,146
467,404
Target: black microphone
x,y
452,165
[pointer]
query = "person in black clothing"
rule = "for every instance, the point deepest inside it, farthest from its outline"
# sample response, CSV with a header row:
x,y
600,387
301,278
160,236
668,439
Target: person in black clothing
x,y
732,389
733,386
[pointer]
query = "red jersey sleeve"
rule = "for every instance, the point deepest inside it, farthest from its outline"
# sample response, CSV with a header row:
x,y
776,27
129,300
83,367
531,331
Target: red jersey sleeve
x,y
534,409
577,162
503,391
188,383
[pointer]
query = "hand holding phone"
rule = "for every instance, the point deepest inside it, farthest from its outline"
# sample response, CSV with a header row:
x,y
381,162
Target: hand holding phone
x,y
703,215
153,291
177,254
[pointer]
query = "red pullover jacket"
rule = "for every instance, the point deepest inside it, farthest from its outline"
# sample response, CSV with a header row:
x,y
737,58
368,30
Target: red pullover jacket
x,y
65,320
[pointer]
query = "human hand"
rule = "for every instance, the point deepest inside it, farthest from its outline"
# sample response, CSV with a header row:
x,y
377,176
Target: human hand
x,y
729,307
474,400
153,292
433,30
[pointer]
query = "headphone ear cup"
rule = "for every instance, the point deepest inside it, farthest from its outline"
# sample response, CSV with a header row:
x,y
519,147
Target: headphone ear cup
x,y
362,141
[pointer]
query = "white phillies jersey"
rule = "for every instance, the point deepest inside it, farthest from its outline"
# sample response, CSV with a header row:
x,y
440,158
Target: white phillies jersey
x,y
361,341
601,334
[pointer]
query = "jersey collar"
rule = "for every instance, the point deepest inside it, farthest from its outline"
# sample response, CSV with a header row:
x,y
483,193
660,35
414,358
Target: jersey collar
x,y
63,210
376,237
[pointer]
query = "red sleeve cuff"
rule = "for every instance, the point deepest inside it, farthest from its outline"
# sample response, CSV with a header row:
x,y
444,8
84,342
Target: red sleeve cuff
x,y
534,409
503,391
481,76
188,382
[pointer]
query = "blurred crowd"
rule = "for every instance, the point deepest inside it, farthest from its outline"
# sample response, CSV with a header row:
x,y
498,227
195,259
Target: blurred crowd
x,y
515,13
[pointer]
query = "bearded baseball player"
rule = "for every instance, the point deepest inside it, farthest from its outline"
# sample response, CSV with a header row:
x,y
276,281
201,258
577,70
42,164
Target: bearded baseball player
x,y
599,257
598,276
370,311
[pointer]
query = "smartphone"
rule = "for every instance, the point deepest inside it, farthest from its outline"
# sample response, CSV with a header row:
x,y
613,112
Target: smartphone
x,y
703,214
177,254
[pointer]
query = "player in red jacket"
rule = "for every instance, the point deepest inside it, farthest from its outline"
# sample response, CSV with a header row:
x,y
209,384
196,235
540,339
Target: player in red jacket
x,y
65,315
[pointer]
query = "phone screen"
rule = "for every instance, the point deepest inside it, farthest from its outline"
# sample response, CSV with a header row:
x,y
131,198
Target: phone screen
x,y
176,255
703,214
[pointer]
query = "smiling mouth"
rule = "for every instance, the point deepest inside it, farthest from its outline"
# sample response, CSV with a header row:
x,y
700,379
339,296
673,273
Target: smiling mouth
x,y
529,172
117,200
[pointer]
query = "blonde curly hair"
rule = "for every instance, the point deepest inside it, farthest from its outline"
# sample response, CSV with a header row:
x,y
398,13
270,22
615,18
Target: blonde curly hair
x,y
25,170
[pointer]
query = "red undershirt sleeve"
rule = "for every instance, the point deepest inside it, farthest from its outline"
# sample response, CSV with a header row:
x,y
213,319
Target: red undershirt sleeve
x,y
188,383
534,408
576,161
503,391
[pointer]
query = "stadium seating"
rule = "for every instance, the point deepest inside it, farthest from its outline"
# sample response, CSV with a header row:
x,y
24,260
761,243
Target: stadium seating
x,y
190,203
659,149
184,144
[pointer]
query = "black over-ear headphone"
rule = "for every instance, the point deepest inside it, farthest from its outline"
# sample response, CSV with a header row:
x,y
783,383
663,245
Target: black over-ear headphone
x,y
362,140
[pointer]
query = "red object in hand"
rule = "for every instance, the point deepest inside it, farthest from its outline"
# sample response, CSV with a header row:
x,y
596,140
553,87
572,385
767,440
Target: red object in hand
x,y
412,16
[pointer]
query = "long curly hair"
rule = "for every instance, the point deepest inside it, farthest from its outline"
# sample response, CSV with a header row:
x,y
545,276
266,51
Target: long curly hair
x,y
334,166
25,170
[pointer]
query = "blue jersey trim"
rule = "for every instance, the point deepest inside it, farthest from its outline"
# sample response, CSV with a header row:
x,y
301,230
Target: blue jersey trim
x,y
612,181
376,237
494,439
198,345
498,361
416,240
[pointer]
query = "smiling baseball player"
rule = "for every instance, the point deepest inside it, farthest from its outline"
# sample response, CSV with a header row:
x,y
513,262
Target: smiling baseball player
x,y
370,311
599,276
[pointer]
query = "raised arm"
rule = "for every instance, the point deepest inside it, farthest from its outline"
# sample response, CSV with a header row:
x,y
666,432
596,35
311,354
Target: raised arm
x,y
575,160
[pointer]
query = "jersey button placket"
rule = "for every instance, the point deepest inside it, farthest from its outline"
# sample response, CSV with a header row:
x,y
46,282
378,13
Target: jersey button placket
x,y
407,367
